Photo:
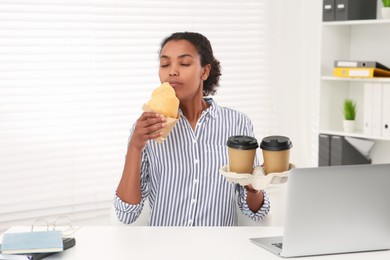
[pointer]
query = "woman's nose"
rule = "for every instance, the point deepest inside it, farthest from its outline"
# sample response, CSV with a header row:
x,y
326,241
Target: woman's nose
x,y
173,72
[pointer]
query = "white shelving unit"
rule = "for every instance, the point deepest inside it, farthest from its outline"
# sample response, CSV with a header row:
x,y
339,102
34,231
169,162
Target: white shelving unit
x,y
352,40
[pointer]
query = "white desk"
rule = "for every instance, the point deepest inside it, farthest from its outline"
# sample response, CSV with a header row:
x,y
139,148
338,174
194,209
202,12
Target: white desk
x,y
116,243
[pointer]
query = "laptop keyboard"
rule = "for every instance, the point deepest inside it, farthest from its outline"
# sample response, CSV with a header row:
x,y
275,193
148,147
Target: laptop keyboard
x,y
278,245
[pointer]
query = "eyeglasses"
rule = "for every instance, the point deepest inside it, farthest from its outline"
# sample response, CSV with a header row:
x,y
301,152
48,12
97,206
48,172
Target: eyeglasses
x,y
66,230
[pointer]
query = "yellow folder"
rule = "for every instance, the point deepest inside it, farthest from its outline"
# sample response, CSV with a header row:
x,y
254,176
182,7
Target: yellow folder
x,y
360,72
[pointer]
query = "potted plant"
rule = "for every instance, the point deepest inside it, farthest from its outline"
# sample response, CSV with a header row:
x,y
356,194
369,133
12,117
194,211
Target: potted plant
x,y
386,9
349,110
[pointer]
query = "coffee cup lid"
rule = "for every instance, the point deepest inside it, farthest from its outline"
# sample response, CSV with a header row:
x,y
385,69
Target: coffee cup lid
x,y
242,142
275,143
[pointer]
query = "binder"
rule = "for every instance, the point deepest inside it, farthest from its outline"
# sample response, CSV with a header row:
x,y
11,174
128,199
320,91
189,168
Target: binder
x,y
324,150
385,110
355,9
360,64
367,109
346,72
376,109
372,109
328,11
343,153
336,150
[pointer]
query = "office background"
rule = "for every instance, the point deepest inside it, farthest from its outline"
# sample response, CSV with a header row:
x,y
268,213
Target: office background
x,y
74,75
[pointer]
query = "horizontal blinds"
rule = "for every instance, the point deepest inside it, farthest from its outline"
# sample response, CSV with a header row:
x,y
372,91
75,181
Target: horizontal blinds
x,y
73,78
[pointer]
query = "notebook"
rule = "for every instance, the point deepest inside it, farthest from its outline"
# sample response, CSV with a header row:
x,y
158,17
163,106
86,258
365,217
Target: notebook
x,y
32,242
334,209
68,242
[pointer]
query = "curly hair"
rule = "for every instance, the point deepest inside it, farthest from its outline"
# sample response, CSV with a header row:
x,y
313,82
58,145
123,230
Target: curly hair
x,y
203,46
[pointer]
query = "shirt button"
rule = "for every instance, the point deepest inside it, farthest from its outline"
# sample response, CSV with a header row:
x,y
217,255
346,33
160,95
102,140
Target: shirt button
x,y
193,201
196,161
196,181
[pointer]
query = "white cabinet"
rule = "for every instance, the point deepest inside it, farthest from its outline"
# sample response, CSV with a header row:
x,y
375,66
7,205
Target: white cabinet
x,y
356,40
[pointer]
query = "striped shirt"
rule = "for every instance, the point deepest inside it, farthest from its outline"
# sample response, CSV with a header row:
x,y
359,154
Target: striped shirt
x,y
181,176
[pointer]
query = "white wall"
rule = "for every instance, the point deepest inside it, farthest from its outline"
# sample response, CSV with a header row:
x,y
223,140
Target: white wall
x,y
298,86
299,79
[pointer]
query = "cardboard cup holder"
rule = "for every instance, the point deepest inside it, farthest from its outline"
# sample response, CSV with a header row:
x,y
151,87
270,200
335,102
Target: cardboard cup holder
x,y
258,179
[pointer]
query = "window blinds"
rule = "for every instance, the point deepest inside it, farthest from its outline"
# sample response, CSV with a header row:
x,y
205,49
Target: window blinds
x,y
74,75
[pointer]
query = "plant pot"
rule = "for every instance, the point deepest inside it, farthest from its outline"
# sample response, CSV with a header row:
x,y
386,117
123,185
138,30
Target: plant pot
x,y
385,12
349,126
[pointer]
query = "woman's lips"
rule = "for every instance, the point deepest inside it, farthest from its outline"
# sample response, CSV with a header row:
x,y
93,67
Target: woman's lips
x,y
175,84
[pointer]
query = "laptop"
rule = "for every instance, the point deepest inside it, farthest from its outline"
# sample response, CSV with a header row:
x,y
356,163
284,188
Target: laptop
x,y
334,209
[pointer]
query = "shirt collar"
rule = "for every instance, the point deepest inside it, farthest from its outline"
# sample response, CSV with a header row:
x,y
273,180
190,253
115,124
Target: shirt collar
x,y
212,111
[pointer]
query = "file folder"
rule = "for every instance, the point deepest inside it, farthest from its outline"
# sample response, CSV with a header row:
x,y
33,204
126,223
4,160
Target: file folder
x,y
367,109
360,72
373,109
376,109
336,150
328,13
386,110
355,9
360,64
343,153
324,150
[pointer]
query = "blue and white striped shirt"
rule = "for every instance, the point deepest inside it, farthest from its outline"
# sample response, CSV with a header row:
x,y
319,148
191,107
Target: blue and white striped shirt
x,y
181,176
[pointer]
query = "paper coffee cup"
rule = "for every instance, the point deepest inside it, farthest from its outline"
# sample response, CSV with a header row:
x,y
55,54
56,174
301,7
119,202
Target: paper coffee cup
x,y
276,153
242,152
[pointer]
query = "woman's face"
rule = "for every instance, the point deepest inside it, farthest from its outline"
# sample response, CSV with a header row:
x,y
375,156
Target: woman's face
x,y
180,66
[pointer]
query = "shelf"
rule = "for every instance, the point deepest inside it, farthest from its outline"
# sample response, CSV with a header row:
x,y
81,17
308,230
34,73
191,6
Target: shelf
x,y
332,78
355,134
355,40
356,22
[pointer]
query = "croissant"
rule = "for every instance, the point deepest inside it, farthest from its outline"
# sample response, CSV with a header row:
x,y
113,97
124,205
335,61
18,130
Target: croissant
x,y
164,101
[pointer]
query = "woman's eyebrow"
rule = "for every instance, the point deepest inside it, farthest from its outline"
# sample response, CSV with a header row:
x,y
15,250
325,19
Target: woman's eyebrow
x,y
185,55
180,56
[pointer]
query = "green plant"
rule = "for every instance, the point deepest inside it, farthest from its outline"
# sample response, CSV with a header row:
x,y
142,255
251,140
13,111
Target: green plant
x,y
349,109
386,3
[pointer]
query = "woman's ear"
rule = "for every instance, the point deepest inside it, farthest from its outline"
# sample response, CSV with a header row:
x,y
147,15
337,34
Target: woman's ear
x,y
206,72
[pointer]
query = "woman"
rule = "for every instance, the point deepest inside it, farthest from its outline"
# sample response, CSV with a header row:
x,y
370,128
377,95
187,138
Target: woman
x,y
181,176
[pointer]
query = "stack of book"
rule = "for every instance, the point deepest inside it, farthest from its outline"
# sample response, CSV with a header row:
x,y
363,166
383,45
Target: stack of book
x,y
360,69
33,245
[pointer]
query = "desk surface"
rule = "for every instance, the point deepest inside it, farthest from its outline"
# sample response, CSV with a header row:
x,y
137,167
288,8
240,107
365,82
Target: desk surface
x,y
181,243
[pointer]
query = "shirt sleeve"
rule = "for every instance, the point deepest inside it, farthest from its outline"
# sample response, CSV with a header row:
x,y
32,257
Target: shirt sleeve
x,y
242,193
128,213
242,204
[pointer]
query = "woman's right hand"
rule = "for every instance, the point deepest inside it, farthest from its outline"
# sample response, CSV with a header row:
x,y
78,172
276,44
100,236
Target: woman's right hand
x,y
147,127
